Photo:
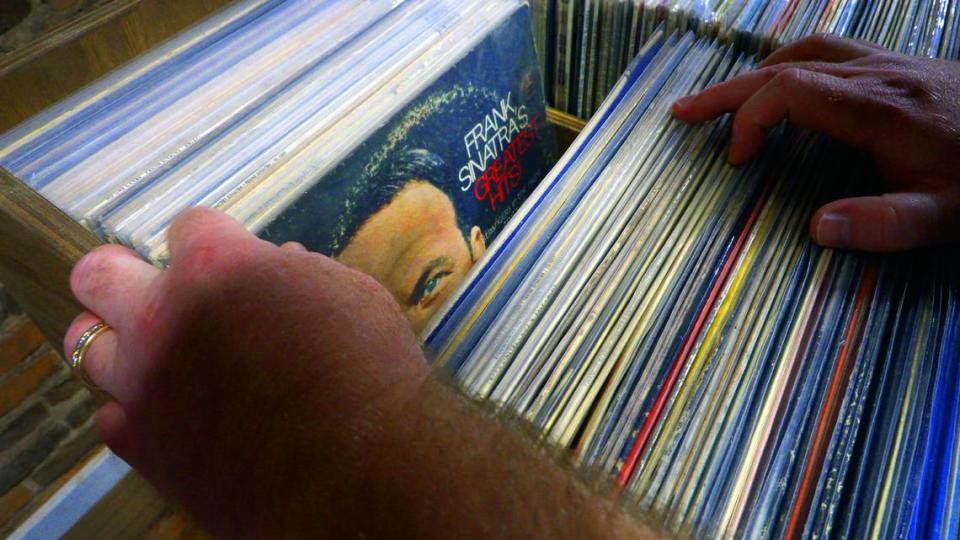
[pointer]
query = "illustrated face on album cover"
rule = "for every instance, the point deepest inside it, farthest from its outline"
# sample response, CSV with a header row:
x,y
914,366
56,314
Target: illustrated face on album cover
x,y
417,203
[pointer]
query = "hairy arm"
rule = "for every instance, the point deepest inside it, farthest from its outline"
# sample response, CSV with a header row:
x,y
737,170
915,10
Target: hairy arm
x,y
275,392
441,467
446,469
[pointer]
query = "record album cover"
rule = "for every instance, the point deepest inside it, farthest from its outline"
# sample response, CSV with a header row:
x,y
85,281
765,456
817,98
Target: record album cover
x,y
416,203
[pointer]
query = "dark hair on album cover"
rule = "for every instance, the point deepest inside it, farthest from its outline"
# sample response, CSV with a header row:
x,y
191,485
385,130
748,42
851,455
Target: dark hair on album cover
x,y
412,151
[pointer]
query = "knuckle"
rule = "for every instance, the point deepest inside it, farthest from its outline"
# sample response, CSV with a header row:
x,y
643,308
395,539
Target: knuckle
x,y
884,58
893,220
191,225
821,39
822,42
875,60
207,255
887,101
191,217
892,58
887,63
199,255
898,81
203,246
792,84
769,72
790,77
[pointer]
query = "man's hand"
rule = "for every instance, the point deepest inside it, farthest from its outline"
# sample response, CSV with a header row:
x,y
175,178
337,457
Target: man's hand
x,y
275,392
905,111
241,369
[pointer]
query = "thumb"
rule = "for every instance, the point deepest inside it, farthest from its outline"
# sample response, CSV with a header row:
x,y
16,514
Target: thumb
x,y
890,222
204,233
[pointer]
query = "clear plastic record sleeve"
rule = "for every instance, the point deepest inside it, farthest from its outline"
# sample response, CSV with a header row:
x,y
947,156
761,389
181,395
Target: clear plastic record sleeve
x,y
398,137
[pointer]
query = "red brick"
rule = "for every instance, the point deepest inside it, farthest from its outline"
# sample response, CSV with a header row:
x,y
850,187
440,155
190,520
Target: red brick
x,y
12,501
23,384
82,410
23,339
24,423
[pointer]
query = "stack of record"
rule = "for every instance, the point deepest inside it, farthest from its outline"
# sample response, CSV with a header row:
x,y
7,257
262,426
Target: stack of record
x,y
665,317
244,112
585,44
370,130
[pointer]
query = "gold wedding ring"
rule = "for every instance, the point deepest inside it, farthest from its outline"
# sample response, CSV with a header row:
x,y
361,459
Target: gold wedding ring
x,y
80,350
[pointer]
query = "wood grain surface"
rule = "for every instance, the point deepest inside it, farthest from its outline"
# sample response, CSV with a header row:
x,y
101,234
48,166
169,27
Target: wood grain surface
x,y
39,245
77,53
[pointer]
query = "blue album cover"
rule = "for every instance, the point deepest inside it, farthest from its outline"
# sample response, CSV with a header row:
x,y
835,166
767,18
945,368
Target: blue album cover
x,y
416,204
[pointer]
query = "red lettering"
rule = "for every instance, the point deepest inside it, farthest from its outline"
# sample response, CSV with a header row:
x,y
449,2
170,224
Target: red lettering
x,y
504,175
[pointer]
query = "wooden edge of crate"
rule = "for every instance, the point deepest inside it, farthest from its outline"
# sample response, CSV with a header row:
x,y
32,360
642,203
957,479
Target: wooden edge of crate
x,y
567,126
64,33
565,121
39,244
77,53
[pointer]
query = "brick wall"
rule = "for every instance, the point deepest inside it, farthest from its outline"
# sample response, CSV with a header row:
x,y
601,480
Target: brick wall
x,y
46,418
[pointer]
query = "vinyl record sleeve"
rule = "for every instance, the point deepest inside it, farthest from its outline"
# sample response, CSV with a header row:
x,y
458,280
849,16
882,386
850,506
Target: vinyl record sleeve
x,y
417,202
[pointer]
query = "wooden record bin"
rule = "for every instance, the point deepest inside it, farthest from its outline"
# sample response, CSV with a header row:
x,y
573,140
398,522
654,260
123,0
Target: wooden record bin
x,y
39,244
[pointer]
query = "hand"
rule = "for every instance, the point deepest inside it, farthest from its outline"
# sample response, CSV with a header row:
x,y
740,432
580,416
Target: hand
x,y
277,393
244,372
905,111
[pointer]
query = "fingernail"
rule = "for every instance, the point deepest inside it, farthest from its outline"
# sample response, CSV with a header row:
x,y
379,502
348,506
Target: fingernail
x,y
833,230
682,104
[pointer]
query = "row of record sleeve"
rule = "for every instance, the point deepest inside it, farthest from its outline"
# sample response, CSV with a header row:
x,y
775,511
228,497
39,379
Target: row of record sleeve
x,y
586,44
659,314
666,319
236,100
338,124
